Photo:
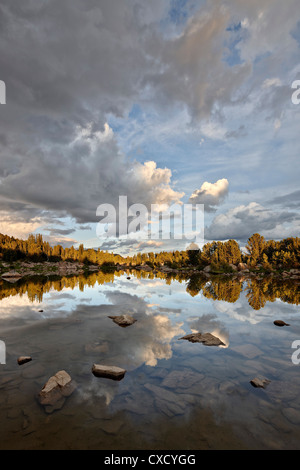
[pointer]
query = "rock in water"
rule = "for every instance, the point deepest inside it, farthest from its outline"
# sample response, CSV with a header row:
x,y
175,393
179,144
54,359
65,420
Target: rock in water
x,y
260,382
123,320
55,391
206,338
24,359
242,267
96,347
109,372
11,274
280,323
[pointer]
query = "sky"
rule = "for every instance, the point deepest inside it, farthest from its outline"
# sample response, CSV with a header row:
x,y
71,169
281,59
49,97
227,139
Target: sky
x,y
164,102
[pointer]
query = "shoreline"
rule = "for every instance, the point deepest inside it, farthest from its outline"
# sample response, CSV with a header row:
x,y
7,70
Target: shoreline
x,y
12,271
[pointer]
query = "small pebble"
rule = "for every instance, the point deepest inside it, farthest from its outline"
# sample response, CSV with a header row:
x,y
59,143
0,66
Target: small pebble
x,y
24,359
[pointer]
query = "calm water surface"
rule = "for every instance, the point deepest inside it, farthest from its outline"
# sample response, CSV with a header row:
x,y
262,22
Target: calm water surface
x,y
175,394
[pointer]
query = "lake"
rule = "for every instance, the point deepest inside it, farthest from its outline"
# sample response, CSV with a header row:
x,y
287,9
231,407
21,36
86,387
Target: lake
x,y
175,394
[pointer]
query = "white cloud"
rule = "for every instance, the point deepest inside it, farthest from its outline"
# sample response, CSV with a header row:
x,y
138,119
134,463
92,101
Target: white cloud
x,y
242,221
277,124
269,82
210,194
149,244
18,228
212,130
92,170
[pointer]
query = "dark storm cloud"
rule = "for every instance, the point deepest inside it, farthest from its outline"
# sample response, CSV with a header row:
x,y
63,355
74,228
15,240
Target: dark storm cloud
x,y
57,231
67,65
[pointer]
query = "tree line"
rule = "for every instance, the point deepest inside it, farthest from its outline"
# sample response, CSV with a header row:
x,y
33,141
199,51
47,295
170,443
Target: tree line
x,y
221,256
267,254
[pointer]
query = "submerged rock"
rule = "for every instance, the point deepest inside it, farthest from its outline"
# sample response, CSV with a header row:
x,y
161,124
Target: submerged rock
x,y
24,359
260,382
167,402
206,338
248,350
182,379
280,323
123,320
96,347
55,391
33,371
109,372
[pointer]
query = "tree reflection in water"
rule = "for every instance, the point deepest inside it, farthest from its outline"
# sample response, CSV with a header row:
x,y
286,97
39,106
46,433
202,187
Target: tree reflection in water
x,y
259,290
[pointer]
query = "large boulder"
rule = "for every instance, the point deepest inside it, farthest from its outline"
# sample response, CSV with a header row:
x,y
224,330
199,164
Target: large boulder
x,y
56,389
233,267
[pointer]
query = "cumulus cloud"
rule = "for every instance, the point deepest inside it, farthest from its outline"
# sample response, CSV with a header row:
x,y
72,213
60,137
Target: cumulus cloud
x,y
210,194
242,221
58,152
73,180
18,227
